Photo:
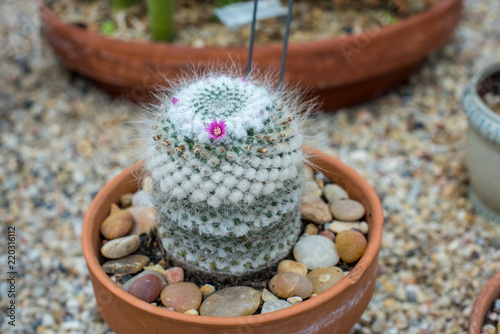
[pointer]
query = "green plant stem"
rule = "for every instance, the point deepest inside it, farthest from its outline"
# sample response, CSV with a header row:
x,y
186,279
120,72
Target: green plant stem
x,y
121,4
161,19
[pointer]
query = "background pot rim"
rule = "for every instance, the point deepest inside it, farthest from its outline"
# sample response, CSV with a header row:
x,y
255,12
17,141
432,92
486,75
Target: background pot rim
x,y
369,256
483,303
479,115
349,39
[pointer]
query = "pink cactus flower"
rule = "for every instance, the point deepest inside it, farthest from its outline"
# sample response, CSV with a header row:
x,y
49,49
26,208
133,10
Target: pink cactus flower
x,y
216,129
244,80
174,101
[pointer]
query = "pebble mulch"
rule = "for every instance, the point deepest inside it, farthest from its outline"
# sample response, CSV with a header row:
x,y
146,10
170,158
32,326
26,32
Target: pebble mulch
x,y
130,250
61,140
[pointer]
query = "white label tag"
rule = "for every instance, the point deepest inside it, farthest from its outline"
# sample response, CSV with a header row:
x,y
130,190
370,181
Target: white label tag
x,y
241,13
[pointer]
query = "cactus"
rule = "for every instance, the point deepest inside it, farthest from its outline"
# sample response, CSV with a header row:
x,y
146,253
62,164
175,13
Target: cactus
x,y
225,156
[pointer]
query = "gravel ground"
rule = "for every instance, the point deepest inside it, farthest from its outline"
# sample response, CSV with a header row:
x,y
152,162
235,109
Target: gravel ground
x,y
62,139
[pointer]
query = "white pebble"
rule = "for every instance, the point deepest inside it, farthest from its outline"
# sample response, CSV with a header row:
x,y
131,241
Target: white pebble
x,y
316,251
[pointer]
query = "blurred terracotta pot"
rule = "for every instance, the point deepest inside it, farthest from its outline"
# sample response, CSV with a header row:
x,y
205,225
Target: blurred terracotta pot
x,y
333,311
483,143
483,303
342,71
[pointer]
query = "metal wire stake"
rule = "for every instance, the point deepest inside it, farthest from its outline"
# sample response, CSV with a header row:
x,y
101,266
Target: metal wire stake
x,y
285,44
252,34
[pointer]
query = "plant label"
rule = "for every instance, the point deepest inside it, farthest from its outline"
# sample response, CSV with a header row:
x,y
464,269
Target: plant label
x,y
241,13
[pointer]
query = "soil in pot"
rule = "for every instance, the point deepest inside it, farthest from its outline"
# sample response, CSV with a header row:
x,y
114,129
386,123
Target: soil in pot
x,y
197,26
325,203
489,91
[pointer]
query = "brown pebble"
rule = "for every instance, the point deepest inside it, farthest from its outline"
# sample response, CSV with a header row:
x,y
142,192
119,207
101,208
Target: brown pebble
x,y
117,225
231,302
174,275
325,278
144,272
328,235
121,247
207,290
292,266
181,296
315,211
350,245
146,288
347,210
311,229
127,265
288,284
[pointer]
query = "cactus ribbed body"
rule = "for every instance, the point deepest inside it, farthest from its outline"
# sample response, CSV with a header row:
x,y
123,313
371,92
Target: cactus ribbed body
x,y
226,161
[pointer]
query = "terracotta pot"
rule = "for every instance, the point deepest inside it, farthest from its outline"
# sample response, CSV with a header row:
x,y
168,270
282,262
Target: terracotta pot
x,y
483,144
333,311
483,303
342,71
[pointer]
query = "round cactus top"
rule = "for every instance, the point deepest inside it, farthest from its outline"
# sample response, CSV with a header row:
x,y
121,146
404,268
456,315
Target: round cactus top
x,y
223,140
218,107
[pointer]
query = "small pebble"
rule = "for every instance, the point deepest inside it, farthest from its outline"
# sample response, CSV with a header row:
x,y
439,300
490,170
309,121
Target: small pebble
x,y
338,226
231,302
146,288
347,210
351,245
315,251
288,284
156,268
174,275
311,229
324,278
181,296
145,219
315,211
274,305
142,198
267,295
294,300
292,266
488,329
126,200
333,193
127,265
117,225
128,283
327,234
496,306
207,290
192,312
120,247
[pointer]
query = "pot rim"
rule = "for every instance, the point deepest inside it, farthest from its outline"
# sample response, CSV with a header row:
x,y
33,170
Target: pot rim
x,y
479,115
483,303
369,256
436,9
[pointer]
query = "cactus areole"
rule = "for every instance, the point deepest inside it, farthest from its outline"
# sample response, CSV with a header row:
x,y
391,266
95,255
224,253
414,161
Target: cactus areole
x,y
225,156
